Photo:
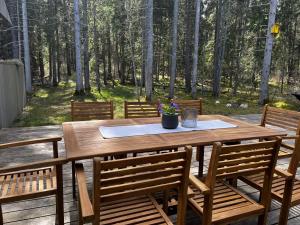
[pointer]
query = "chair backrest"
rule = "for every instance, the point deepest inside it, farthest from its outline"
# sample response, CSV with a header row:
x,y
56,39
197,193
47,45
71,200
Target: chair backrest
x,y
286,119
142,175
140,110
295,158
82,111
242,160
196,104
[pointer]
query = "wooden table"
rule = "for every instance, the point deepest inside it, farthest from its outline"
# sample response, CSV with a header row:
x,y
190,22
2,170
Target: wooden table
x,y
83,140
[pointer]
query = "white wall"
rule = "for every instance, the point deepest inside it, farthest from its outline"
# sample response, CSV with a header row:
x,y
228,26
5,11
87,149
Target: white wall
x,y
12,91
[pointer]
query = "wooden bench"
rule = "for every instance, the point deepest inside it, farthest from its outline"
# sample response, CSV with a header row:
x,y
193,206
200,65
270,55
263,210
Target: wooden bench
x,y
285,186
81,111
123,188
140,110
282,118
218,202
33,180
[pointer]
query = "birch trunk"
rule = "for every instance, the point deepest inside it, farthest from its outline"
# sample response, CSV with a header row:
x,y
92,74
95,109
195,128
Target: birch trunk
x,y
26,48
79,85
149,49
196,50
174,48
264,85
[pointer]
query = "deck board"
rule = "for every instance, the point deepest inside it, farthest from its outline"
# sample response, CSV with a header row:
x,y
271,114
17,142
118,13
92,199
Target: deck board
x,y
42,211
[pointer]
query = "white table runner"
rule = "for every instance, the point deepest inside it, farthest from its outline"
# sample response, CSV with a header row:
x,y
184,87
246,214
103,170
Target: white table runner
x,y
147,129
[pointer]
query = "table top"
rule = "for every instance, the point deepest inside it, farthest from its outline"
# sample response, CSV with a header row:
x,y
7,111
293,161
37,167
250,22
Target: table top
x,y
83,139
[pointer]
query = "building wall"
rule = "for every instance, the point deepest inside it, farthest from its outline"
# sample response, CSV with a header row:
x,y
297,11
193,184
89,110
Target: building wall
x,y
12,91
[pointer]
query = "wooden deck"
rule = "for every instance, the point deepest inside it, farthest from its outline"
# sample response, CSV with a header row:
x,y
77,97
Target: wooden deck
x,y
42,211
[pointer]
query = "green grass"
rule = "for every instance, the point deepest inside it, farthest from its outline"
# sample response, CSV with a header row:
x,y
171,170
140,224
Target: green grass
x,y
51,105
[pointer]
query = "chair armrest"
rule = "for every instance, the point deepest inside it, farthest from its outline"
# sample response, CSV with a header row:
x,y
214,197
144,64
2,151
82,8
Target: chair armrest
x,y
85,205
29,142
290,137
35,165
199,185
283,173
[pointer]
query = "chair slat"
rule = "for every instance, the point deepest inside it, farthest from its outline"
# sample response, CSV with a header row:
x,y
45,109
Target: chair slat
x,y
91,110
13,185
140,110
248,153
140,176
141,160
140,191
283,118
196,104
140,169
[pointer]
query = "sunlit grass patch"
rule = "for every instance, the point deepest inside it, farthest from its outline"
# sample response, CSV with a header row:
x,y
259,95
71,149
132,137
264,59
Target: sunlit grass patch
x,y
51,105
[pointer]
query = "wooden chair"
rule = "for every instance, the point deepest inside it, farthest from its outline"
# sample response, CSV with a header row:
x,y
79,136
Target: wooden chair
x,y
196,104
140,110
34,179
282,118
122,188
218,202
81,111
285,186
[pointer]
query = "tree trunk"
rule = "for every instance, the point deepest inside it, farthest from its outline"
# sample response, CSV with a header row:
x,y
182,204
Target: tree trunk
x,y
58,56
122,56
187,46
79,85
109,74
86,58
196,50
104,66
41,57
28,84
50,61
149,49
264,85
174,48
218,49
66,28
96,47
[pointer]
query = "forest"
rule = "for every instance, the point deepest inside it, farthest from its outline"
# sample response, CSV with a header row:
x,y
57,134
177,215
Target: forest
x,y
204,47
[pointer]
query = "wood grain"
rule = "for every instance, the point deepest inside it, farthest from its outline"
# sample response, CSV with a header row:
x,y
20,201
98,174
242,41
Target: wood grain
x,y
83,139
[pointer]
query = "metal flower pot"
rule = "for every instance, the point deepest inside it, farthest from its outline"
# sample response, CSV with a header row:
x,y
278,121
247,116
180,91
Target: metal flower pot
x,y
169,121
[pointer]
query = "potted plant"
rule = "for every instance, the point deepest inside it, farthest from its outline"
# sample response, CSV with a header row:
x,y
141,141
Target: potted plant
x,y
169,115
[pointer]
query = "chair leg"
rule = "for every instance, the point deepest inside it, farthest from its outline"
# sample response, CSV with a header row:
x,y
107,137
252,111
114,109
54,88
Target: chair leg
x,y
286,202
262,219
200,158
165,201
1,215
80,220
60,196
73,180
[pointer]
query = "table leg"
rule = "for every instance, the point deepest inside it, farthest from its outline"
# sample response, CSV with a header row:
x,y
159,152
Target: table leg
x,y
200,158
73,180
